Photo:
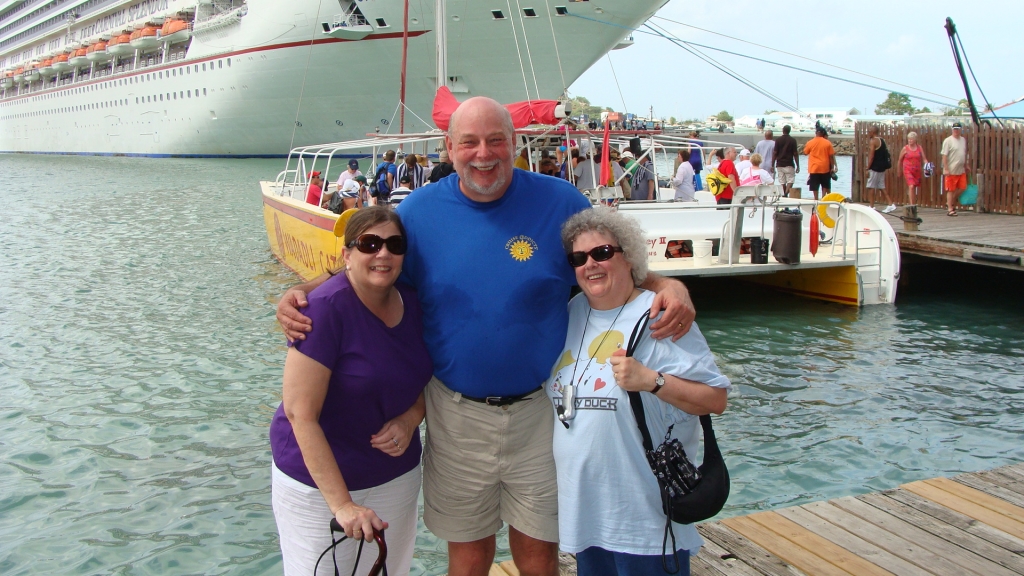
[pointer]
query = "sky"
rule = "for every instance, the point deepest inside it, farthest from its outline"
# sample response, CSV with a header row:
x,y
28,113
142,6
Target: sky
x,y
899,40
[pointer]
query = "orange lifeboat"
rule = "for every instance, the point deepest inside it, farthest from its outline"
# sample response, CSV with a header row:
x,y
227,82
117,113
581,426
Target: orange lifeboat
x,y
174,31
145,37
78,58
120,45
19,75
61,64
32,72
46,68
97,52
8,80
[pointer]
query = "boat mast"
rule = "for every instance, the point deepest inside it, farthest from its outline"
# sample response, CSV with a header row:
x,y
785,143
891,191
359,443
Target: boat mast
x,y
441,37
405,58
951,32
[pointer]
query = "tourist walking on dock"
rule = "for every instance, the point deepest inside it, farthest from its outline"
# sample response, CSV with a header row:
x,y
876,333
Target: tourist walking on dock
x,y
491,273
755,175
766,148
912,160
609,503
684,178
345,439
878,162
786,161
954,167
821,162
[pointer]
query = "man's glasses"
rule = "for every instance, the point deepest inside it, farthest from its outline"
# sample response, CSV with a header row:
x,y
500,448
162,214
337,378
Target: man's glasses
x,y
598,253
371,244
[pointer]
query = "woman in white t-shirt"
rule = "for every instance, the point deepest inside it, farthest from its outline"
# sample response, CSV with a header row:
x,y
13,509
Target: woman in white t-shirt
x,y
755,175
609,502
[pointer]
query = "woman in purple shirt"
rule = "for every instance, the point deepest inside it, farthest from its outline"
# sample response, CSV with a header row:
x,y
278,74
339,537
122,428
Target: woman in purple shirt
x,y
345,439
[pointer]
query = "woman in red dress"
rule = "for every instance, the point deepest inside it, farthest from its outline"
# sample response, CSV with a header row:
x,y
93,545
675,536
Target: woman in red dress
x,y
912,159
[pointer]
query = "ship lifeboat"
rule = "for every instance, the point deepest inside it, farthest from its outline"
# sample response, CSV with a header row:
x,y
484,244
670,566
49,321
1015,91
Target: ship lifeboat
x,y
78,58
46,68
19,75
145,38
8,80
60,63
174,31
97,52
120,45
32,72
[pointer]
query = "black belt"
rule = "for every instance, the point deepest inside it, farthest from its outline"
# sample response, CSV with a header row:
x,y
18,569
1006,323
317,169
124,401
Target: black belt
x,y
503,400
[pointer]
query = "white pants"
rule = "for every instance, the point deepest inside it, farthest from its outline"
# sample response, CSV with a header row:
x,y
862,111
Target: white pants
x,y
303,523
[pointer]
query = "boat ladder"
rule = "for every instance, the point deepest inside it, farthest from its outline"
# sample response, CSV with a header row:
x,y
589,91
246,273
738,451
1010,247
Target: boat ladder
x,y
869,266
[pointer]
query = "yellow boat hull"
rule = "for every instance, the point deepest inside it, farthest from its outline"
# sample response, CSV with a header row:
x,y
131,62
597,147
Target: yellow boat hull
x,y
832,284
301,235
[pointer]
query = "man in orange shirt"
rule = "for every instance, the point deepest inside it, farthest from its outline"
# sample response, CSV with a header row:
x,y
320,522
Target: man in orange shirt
x,y
821,162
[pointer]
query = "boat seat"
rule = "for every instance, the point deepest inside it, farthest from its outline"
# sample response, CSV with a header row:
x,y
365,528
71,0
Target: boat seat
x,y
705,198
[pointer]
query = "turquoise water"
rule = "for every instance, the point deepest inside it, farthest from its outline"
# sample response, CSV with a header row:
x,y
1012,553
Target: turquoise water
x,y
140,365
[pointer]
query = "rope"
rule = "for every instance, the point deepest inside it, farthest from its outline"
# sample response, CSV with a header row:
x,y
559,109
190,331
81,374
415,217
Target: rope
x,y
302,88
554,39
515,37
799,56
619,88
529,53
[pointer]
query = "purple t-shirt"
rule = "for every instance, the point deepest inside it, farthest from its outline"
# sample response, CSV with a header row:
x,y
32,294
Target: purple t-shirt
x,y
377,373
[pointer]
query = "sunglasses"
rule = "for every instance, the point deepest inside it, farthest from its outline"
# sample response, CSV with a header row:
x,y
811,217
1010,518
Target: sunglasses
x,y
371,244
598,253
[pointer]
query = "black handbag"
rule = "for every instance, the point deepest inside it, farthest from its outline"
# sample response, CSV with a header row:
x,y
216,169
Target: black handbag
x,y
688,495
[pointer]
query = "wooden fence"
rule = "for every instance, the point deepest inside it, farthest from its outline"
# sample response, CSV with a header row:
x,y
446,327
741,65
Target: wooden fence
x,y
995,163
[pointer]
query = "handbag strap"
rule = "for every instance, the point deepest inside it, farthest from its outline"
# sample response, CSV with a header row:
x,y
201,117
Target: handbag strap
x,y
635,402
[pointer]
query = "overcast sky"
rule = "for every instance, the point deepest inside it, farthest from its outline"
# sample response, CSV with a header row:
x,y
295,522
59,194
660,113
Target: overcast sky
x,y
898,40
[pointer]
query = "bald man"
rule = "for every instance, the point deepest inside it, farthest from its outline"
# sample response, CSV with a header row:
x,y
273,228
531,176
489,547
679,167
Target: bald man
x,y
486,258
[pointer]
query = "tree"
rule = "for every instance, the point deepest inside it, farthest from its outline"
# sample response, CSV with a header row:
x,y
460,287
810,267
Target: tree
x,y
924,110
896,104
770,112
724,116
672,120
581,105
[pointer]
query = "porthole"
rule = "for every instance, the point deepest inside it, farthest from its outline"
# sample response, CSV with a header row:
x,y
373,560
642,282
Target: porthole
x,y
529,12
381,23
498,14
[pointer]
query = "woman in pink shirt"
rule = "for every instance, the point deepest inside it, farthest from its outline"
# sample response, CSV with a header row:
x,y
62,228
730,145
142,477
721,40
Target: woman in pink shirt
x,y
912,159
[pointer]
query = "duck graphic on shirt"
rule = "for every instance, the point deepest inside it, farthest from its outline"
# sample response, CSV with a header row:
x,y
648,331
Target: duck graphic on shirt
x,y
599,351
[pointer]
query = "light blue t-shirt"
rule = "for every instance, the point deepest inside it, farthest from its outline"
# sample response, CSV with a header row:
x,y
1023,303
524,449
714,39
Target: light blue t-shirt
x,y
493,280
607,494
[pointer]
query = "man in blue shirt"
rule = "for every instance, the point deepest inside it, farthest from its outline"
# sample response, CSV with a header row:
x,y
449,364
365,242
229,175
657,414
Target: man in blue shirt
x,y
485,255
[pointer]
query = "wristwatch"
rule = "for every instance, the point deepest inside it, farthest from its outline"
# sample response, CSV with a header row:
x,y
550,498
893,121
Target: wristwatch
x,y
659,383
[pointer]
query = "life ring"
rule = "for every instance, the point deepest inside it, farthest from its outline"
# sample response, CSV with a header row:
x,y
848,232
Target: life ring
x,y
339,226
815,237
823,209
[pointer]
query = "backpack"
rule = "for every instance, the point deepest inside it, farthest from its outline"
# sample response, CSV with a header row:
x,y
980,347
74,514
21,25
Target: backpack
x,y
885,159
717,183
379,187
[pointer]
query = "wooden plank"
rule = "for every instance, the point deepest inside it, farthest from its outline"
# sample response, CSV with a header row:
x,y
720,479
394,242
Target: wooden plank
x,y
974,563
714,560
748,552
1004,480
982,484
947,532
497,570
1014,471
818,545
999,505
961,521
897,544
783,548
858,546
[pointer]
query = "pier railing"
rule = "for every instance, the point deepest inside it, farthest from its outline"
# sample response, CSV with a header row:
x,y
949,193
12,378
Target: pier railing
x,y
995,164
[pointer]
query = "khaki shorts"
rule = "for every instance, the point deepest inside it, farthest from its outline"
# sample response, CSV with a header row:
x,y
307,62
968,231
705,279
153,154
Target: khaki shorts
x,y
785,174
484,465
876,180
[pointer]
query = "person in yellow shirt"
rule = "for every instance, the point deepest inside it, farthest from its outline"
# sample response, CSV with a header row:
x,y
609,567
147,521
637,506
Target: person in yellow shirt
x,y
523,160
821,162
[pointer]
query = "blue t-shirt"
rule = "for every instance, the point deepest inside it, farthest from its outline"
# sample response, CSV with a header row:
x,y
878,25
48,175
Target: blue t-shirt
x,y
392,169
493,280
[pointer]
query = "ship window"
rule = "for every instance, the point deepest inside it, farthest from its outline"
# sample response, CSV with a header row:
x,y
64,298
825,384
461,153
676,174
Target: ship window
x,y
204,66
160,74
175,95
381,23
136,99
161,97
220,63
229,62
561,10
189,93
197,67
204,91
174,72
529,12
188,70
498,14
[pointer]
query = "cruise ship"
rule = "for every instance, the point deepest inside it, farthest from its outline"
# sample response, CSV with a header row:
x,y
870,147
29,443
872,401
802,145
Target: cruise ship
x,y
252,78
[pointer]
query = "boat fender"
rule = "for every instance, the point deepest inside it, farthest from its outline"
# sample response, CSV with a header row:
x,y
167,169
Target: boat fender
x,y
827,220
339,226
815,238
999,258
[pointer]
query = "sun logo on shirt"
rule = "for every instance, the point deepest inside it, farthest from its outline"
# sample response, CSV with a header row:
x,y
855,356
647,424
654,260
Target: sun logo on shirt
x,y
521,248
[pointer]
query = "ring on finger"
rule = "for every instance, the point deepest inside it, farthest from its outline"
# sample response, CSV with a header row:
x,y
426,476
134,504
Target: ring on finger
x,y
395,440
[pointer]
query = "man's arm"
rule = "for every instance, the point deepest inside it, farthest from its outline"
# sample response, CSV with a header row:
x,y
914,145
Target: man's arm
x,y
672,297
293,322
871,156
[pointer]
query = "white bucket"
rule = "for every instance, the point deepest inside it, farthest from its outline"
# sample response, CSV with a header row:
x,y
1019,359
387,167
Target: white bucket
x,y
702,253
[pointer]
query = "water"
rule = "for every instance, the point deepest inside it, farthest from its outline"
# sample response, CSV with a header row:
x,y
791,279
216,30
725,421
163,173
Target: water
x,y
140,364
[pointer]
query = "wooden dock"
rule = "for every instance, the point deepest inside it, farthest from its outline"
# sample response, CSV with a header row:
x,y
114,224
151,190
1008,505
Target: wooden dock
x,y
970,237
968,524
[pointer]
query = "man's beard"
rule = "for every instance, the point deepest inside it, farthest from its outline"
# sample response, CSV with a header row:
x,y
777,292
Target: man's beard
x,y
493,190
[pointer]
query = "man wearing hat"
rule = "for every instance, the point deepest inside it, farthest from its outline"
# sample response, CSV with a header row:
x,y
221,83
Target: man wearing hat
x,y
403,190
443,168
315,190
352,172
954,166
743,163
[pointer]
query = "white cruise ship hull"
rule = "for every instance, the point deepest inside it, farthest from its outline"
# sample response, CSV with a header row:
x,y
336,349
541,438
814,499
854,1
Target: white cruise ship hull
x,y
259,86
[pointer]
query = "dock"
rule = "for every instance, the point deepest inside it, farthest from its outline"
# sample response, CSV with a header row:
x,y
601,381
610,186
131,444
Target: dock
x,y
969,524
987,239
